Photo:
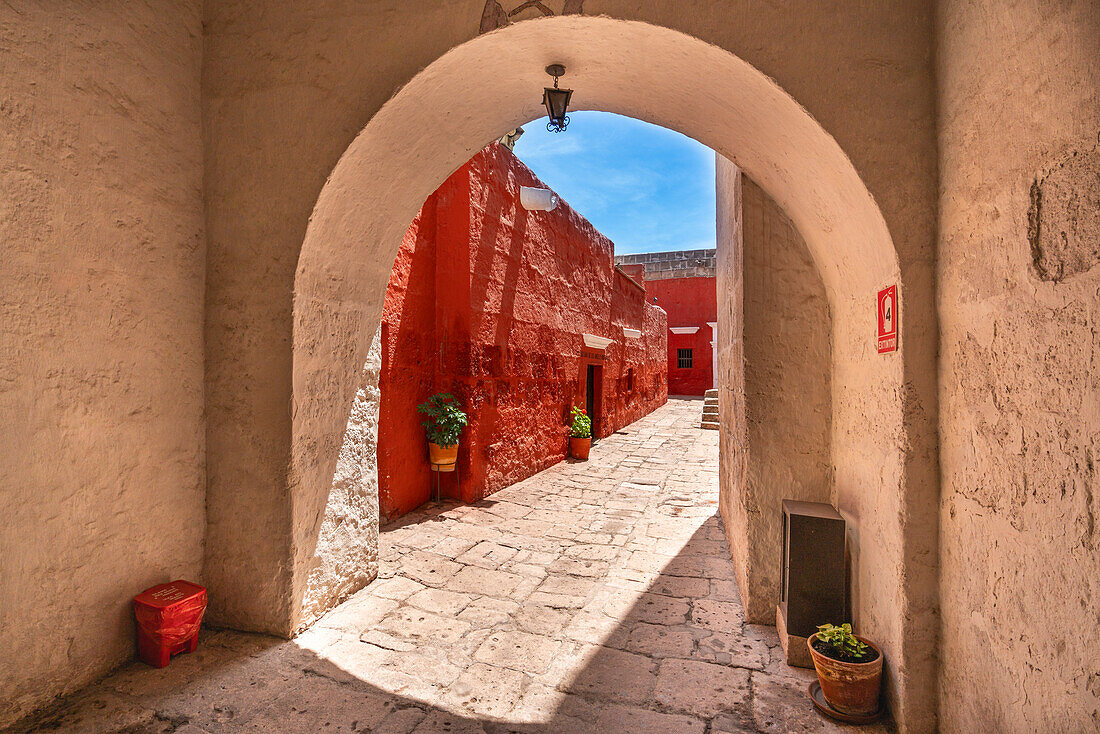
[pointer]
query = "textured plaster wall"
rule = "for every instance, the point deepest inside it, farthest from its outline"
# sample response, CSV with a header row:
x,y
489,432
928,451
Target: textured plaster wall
x,y
501,330
1019,101
774,392
733,437
787,391
286,87
101,285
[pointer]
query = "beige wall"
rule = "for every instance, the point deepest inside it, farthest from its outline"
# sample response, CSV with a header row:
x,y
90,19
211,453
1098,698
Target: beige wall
x,y
788,403
1020,366
733,438
101,287
774,396
282,99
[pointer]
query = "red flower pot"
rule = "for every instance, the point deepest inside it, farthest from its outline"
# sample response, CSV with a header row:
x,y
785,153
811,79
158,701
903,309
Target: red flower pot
x,y
579,447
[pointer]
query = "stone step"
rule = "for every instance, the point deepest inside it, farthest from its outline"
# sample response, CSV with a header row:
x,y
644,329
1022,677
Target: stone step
x,y
709,425
711,393
710,410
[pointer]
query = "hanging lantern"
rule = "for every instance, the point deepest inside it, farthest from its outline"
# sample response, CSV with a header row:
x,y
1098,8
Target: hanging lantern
x,y
556,101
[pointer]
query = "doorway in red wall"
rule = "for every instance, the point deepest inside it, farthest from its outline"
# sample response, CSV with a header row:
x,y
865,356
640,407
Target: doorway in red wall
x,y
593,381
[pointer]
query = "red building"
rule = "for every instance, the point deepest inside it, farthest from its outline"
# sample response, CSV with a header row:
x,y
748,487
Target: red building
x,y
683,284
520,314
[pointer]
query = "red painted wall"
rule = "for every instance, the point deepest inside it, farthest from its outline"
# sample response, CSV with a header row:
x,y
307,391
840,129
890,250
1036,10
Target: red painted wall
x,y
688,302
488,301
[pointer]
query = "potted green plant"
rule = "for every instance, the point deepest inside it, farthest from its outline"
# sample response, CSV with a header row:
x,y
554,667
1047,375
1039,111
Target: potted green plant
x,y
580,433
849,669
445,421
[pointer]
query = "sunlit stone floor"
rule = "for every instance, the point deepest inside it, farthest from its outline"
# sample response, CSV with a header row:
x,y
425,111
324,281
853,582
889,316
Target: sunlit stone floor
x,y
593,597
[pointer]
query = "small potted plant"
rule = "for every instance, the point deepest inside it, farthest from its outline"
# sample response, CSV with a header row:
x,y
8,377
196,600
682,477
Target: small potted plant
x,y
849,669
445,421
580,434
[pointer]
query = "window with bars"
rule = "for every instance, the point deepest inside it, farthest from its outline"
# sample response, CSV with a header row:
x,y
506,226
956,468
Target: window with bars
x,y
684,359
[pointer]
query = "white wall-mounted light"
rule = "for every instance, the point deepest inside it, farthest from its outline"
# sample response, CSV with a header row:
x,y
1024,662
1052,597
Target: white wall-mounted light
x,y
537,200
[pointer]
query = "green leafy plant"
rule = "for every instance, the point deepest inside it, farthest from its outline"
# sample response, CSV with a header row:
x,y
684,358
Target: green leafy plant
x,y
445,419
841,639
580,424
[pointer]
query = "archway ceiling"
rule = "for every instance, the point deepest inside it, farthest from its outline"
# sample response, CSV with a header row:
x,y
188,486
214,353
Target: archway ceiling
x,y
480,89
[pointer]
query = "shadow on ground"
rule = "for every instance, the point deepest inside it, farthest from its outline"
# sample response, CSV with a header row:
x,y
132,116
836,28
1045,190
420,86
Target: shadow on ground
x,y
592,597
679,659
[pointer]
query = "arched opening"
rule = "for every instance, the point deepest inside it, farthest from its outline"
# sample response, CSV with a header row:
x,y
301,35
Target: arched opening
x,y
481,89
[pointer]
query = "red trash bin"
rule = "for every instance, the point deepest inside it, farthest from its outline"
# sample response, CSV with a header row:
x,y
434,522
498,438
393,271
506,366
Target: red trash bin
x,y
168,620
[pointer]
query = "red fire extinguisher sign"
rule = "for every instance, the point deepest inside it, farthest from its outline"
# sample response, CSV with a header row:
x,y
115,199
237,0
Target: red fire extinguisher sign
x,y
887,307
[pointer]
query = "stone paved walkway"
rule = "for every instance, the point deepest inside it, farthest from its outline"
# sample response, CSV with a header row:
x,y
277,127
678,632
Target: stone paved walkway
x,y
593,597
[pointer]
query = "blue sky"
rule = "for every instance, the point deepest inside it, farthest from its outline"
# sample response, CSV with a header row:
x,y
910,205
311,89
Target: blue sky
x,y
647,188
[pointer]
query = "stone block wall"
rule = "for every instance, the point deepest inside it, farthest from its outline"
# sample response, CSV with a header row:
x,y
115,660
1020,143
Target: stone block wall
x,y
673,264
346,550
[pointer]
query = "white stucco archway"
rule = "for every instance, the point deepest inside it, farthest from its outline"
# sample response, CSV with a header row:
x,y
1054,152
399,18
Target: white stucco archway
x,y
480,89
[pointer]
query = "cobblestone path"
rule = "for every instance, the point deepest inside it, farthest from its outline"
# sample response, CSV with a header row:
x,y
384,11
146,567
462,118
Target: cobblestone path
x,y
592,597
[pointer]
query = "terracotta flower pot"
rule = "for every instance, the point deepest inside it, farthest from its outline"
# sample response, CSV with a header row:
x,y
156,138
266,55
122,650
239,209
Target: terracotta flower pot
x,y
442,454
579,447
851,688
